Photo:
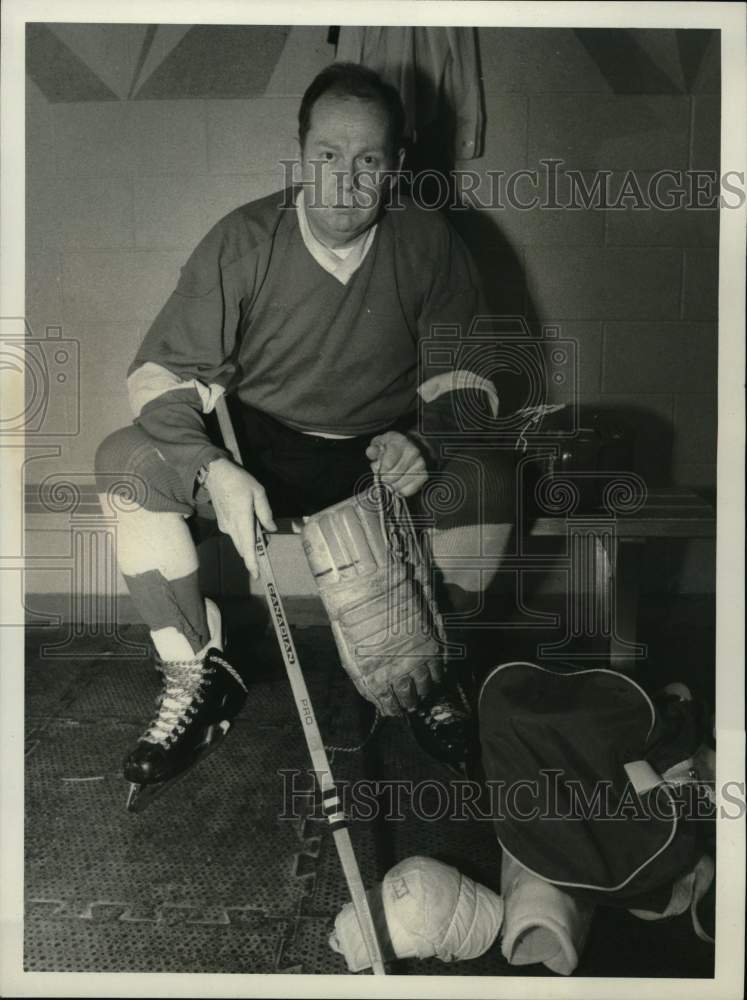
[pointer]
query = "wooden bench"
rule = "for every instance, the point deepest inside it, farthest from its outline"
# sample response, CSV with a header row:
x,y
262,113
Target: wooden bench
x,y
601,560
605,552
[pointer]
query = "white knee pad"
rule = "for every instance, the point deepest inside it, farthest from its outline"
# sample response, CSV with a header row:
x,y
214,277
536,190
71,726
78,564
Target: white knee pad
x,y
542,923
427,909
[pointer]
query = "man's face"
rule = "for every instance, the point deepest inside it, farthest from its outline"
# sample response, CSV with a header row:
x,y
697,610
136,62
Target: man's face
x,y
344,158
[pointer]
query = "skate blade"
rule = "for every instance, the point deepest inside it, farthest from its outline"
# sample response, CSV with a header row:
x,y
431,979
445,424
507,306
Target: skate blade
x,y
140,797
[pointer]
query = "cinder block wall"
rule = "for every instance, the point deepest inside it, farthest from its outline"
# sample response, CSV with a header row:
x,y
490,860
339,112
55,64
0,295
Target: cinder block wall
x,y
119,192
636,289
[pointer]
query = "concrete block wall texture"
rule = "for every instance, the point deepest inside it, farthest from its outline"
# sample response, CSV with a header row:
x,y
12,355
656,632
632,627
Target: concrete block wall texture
x,y
120,191
636,288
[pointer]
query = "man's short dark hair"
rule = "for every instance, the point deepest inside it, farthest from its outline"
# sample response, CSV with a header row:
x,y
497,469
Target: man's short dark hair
x,y
346,79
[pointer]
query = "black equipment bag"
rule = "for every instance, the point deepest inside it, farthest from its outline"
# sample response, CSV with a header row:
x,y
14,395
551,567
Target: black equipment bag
x,y
593,783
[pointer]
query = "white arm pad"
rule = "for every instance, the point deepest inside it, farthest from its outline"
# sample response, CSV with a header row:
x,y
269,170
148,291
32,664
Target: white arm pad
x,y
429,909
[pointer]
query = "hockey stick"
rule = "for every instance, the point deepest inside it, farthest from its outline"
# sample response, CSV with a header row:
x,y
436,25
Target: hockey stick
x,y
331,803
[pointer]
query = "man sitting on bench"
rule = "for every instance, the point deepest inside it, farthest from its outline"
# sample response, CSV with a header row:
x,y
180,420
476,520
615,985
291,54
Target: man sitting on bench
x,y
306,308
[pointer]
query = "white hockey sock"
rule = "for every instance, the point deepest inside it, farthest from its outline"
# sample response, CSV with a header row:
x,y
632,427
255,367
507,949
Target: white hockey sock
x,y
171,644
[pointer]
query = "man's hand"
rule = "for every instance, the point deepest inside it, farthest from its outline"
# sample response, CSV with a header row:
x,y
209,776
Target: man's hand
x,y
398,461
237,497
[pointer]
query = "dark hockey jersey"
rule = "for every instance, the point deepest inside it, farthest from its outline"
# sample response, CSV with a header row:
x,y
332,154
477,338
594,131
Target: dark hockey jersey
x,y
254,314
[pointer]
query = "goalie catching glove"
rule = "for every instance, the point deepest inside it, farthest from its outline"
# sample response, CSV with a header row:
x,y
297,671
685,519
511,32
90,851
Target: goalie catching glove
x,y
374,582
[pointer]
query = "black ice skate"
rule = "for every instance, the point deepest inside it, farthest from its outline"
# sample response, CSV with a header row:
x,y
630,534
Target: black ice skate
x,y
445,728
199,700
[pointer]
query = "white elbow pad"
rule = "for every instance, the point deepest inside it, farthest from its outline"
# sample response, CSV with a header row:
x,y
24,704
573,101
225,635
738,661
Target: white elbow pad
x,y
427,909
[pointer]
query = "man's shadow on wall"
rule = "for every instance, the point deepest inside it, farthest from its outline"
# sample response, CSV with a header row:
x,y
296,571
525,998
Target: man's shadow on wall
x,y
507,293
432,156
502,271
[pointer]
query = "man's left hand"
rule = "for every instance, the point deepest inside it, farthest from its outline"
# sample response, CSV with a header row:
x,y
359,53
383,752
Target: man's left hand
x,y
398,461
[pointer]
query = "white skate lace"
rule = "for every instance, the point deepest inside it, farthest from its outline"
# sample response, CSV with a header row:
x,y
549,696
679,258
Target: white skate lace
x,y
405,544
359,746
535,414
441,712
231,670
182,694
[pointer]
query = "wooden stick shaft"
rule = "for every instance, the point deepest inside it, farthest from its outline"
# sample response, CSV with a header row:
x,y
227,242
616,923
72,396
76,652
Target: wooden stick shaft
x,y
309,725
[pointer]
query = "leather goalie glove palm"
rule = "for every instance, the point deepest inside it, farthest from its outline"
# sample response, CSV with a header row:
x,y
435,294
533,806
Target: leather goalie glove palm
x,y
374,581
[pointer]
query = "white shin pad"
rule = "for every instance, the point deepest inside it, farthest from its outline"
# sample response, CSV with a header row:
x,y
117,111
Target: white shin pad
x,y
542,923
